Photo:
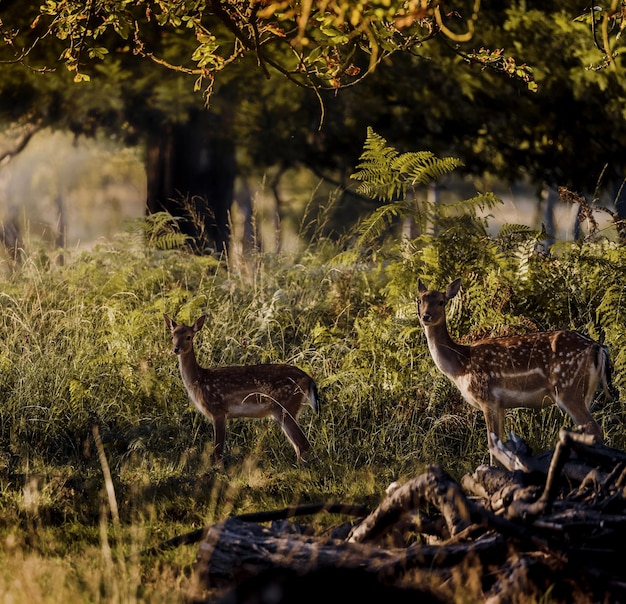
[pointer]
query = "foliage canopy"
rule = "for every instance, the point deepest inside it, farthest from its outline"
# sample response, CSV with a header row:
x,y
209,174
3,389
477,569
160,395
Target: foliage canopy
x,y
323,44
419,74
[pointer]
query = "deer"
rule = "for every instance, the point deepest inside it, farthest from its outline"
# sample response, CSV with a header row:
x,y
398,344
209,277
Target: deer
x,y
531,371
277,391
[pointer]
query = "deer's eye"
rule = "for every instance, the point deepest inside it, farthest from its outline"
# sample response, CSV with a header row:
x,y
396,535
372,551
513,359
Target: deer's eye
x,y
441,303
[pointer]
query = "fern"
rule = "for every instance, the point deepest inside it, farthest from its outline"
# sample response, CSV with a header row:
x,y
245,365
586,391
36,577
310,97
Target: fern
x,y
481,201
393,178
387,175
422,167
374,168
162,232
377,222
514,231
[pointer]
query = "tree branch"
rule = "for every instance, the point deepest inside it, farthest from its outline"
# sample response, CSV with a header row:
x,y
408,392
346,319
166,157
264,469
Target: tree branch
x,y
30,130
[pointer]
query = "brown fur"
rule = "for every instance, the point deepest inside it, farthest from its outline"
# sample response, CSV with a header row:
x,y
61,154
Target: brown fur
x,y
534,370
272,390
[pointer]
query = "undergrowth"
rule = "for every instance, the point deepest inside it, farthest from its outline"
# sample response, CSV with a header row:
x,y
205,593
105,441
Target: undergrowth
x,y
85,362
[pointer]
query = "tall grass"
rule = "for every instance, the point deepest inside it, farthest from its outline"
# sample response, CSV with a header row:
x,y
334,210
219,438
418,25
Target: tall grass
x,y
83,345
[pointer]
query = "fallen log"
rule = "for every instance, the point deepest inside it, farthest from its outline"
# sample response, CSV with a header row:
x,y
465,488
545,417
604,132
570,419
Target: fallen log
x,y
267,516
235,550
552,524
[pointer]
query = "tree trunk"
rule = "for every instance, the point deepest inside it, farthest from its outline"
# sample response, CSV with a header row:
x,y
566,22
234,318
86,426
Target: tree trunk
x,y
191,174
11,237
550,196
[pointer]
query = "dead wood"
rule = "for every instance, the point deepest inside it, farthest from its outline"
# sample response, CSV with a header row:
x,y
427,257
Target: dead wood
x,y
551,524
268,516
434,488
234,550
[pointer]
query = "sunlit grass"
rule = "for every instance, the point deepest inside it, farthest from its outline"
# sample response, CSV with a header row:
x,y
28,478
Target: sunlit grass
x,y
109,571
84,351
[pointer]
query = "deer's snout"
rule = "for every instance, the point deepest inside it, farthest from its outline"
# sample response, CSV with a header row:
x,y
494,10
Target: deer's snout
x,y
176,349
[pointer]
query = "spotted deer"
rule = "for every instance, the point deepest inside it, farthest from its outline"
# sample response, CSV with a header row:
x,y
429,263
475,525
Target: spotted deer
x,y
533,371
277,391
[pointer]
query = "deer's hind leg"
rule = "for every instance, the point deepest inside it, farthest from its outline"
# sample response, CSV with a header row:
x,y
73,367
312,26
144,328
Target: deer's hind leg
x,y
294,433
577,407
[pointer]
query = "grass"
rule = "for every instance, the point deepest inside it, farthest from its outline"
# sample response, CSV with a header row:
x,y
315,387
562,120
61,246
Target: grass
x,y
102,455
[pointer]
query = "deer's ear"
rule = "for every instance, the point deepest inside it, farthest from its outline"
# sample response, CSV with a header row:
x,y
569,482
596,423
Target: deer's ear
x,y
453,289
197,326
169,322
421,288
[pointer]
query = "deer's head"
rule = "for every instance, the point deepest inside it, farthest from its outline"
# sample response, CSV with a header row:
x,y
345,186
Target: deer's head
x,y
431,305
183,335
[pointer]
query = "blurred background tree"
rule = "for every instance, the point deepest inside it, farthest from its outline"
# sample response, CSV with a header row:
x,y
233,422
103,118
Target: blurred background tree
x,y
216,90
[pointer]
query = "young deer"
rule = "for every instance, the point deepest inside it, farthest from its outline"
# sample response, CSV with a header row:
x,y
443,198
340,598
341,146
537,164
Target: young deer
x,y
534,370
256,391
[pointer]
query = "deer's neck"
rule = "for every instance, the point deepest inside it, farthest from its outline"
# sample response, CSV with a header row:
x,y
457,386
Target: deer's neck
x,y
451,358
190,371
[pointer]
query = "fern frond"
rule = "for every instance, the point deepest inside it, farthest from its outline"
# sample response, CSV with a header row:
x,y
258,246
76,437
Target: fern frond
x,y
375,148
508,231
162,231
386,174
483,201
422,167
374,170
170,241
379,220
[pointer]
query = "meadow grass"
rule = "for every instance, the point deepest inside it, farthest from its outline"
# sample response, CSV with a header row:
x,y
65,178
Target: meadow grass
x,y
103,456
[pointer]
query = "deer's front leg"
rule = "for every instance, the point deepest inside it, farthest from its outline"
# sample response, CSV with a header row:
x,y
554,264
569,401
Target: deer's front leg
x,y
494,418
219,429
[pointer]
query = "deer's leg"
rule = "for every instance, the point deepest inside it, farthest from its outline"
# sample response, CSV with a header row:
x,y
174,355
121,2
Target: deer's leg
x,y
294,433
582,416
593,427
219,429
494,418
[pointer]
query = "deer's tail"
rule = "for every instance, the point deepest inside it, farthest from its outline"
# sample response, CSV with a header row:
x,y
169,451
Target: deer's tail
x,y
606,371
314,396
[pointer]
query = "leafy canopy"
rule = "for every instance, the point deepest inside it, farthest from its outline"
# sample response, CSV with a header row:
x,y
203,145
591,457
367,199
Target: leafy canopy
x,y
143,57
322,44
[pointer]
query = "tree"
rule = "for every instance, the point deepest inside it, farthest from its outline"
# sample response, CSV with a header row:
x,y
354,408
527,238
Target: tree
x,y
344,65
326,44
107,46
572,131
